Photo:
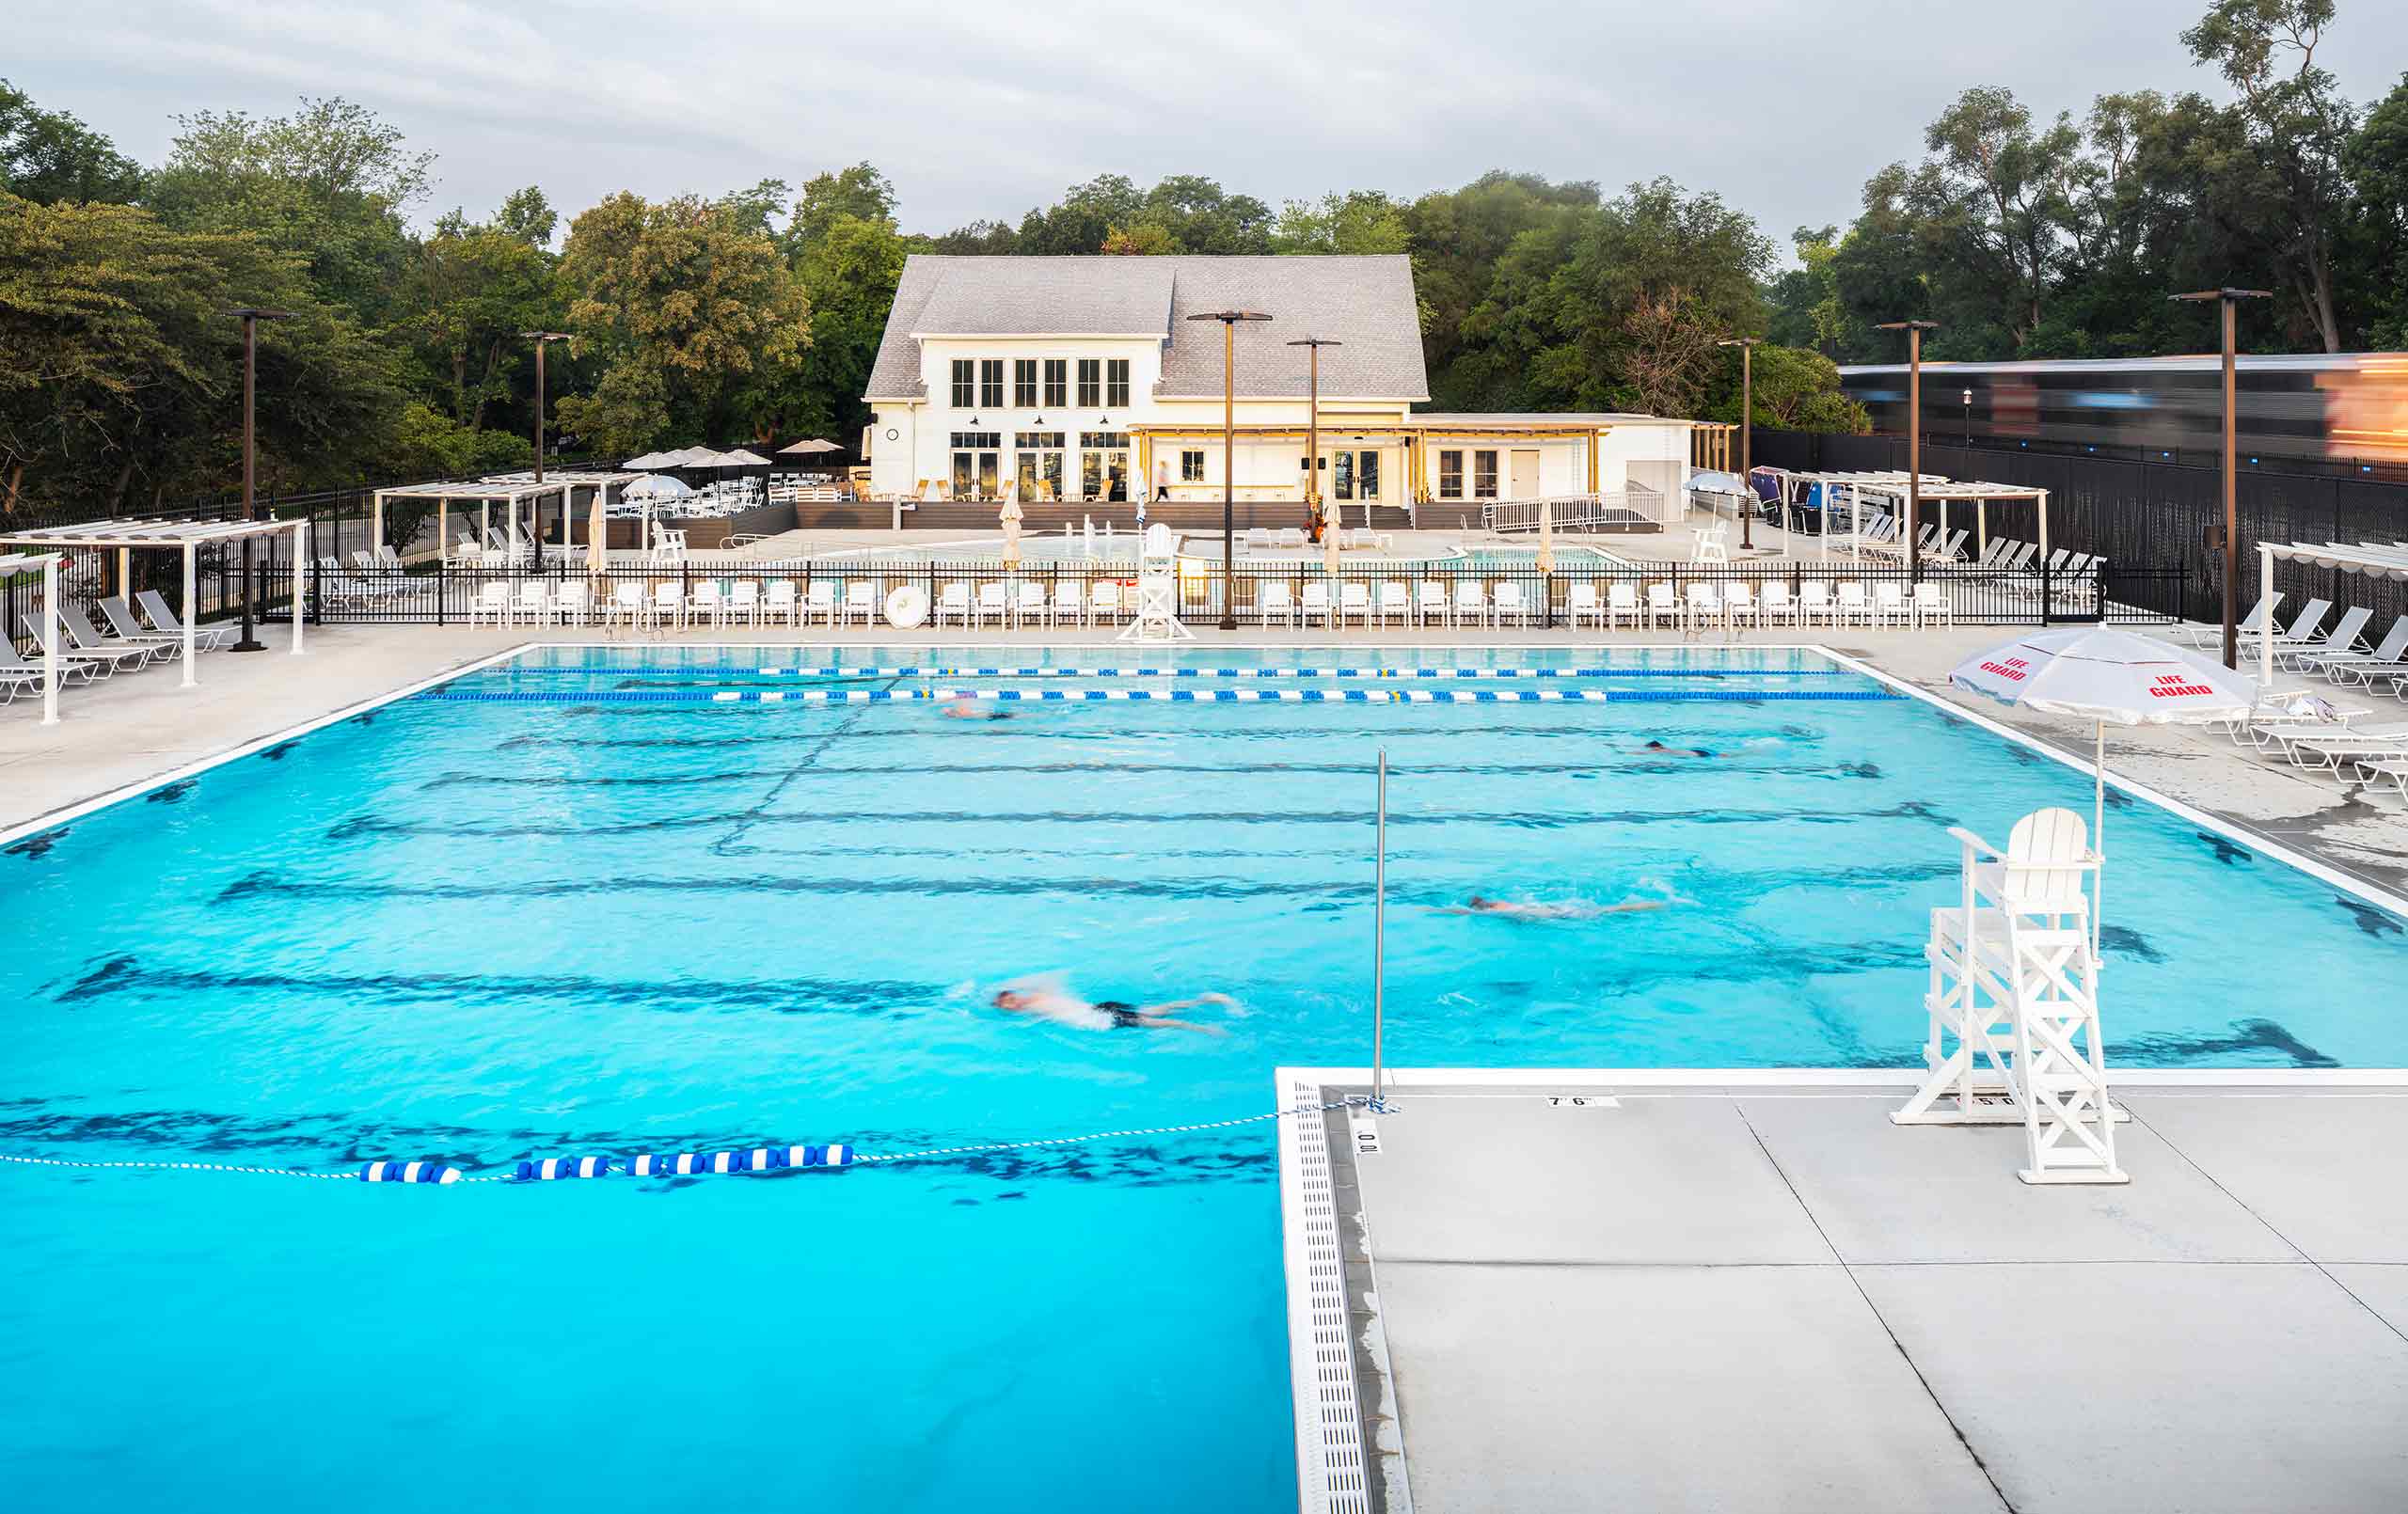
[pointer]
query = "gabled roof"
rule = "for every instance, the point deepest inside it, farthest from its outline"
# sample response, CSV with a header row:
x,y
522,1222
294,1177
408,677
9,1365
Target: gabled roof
x,y
1365,303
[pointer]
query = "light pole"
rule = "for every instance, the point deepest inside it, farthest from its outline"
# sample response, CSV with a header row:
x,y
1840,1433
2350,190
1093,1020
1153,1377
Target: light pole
x,y
1914,330
2230,300
1228,319
1969,419
1312,423
542,339
251,317
1747,346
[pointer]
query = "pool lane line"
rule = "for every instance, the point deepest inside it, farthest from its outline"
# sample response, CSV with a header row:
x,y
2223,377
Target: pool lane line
x,y
1171,696
950,670
780,1157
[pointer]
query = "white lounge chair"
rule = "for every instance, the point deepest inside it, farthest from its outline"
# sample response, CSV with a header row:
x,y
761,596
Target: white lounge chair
x,y
22,675
2250,624
163,618
122,620
82,635
2359,668
2343,638
2302,629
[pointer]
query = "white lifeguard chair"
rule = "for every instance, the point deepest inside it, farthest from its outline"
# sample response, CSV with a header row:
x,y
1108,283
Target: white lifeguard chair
x,y
1157,618
2013,1002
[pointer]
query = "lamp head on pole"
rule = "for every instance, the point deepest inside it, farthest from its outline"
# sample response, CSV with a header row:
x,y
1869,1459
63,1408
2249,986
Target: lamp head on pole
x,y
1740,341
1228,317
1304,341
249,312
2224,294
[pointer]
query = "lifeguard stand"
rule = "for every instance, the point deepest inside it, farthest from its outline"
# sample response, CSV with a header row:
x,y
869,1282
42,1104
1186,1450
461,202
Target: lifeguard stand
x,y
2013,1002
1157,618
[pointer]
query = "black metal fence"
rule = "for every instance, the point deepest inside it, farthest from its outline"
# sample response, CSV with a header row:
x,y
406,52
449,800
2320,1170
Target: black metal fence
x,y
976,594
2141,512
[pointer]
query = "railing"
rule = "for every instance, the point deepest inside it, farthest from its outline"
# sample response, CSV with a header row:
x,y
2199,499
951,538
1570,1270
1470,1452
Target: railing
x,y
1576,512
1261,593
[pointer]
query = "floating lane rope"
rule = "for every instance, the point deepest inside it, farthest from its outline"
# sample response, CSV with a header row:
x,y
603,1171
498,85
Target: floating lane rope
x,y
1166,696
933,671
834,1157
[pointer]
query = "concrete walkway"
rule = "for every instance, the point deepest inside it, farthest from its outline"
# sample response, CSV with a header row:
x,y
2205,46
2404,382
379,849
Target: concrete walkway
x,y
1769,1298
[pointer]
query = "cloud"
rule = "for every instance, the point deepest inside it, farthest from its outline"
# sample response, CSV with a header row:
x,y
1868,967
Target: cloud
x,y
1783,109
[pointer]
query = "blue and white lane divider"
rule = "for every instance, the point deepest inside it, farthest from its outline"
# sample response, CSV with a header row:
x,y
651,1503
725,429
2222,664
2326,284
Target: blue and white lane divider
x,y
932,671
1161,695
832,1158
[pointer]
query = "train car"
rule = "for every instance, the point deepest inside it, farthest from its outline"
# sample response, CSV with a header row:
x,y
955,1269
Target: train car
x,y
2344,407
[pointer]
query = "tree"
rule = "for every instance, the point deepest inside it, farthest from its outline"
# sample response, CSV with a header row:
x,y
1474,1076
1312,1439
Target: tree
x,y
693,313
2298,122
527,216
849,277
1459,239
471,290
330,182
1083,219
1357,221
1794,390
1145,239
2376,161
860,192
48,156
1995,190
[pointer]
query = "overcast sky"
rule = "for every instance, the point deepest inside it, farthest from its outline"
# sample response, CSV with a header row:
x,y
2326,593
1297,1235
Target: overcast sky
x,y
985,111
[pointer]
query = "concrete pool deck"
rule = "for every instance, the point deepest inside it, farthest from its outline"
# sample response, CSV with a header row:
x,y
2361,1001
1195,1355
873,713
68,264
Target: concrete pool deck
x,y
1750,1291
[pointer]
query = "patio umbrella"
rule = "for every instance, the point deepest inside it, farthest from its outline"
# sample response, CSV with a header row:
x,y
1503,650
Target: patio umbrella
x,y
1010,517
656,486
649,460
739,458
2107,677
1547,537
812,448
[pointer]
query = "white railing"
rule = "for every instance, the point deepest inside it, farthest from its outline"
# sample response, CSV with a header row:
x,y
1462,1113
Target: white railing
x,y
1577,513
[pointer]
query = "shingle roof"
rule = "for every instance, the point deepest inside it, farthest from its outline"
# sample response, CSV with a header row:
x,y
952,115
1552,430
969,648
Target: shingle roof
x,y
1365,303
1508,419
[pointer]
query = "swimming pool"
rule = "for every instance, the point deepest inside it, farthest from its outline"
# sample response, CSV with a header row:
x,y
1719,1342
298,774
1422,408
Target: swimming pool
x,y
479,929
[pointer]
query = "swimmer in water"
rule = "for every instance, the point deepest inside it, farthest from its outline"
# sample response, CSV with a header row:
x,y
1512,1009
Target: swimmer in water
x,y
1524,910
1662,750
1065,1008
962,707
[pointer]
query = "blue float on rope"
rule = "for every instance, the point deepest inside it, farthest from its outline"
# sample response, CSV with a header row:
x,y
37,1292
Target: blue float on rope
x,y
408,1171
551,1169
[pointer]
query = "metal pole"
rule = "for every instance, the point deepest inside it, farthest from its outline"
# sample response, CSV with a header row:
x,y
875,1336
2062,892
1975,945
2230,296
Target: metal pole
x,y
1379,936
246,642
1228,475
1914,454
2231,493
1312,436
1747,427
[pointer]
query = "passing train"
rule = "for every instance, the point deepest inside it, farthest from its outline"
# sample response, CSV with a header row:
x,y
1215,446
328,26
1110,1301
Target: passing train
x,y
2336,409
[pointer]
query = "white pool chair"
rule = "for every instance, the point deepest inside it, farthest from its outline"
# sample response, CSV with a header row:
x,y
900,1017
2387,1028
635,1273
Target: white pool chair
x,y
707,601
132,632
1509,601
2343,638
1663,606
1889,605
1258,536
1471,602
744,601
22,675
2328,750
778,607
861,602
993,603
626,607
1851,605
1273,603
2359,668
1776,608
531,605
163,618
1292,536
1429,603
1701,606
1316,602
1739,604
1354,600
1029,607
571,603
1104,604
1580,603
1397,600
1620,600
667,607
2250,624
491,604
952,601
2374,770
820,603
1932,606
1070,603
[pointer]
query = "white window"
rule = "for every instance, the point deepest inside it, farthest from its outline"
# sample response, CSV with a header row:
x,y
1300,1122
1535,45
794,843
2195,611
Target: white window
x,y
1191,466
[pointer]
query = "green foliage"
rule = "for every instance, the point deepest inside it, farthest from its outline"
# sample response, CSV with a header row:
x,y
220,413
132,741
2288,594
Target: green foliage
x,y
48,156
1794,390
1359,221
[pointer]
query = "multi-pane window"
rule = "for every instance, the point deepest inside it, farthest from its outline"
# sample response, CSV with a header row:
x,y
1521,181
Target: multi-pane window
x,y
1450,474
1090,383
1115,384
1103,438
974,441
1483,474
1058,381
990,382
1367,475
1024,383
1191,466
965,383
1029,441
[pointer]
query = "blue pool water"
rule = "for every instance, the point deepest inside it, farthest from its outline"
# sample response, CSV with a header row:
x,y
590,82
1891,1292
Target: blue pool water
x,y
480,930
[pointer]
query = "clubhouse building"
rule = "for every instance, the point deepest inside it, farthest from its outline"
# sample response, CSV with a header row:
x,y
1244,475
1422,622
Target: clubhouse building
x,y
1083,379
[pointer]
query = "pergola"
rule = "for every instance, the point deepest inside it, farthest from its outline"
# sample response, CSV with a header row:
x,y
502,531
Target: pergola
x,y
13,563
507,489
1857,484
2376,559
1945,490
128,536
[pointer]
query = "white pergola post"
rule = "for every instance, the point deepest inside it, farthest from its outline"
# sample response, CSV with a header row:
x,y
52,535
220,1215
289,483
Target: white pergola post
x,y
125,574
2265,632
300,555
2044,526
1981,530
191,614
484,522
50,659
377,529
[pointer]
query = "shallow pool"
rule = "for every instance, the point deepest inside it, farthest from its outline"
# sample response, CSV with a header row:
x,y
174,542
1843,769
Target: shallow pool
x,y
479,929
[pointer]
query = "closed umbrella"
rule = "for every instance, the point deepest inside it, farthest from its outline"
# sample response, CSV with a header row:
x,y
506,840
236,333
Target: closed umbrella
x,y
597,530
2107,677
1547,537
1010,517
1330,553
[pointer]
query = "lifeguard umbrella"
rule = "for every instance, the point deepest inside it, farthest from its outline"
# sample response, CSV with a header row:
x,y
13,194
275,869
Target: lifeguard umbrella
x,y
2107,677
